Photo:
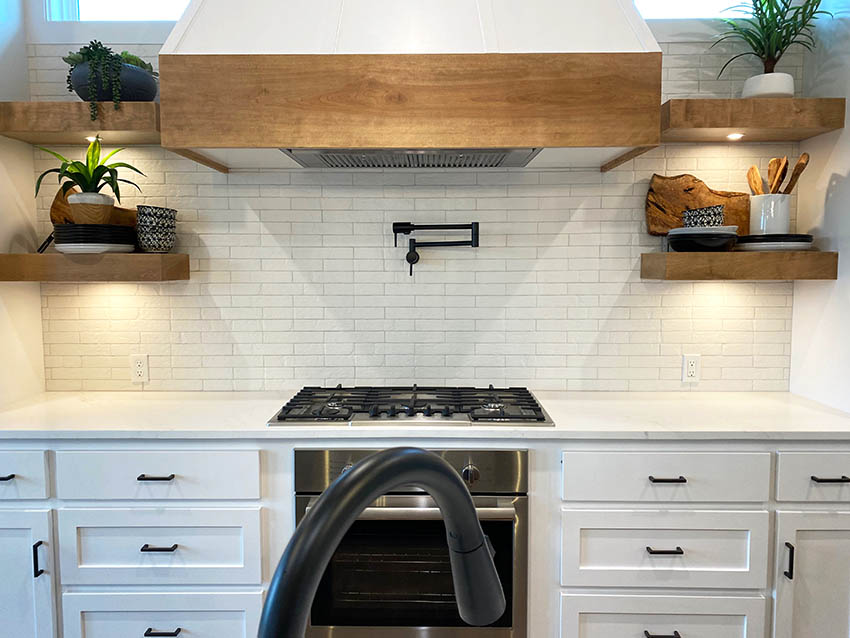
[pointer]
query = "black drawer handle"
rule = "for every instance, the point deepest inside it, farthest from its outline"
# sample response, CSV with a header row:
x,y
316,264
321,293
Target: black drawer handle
x,y
675,634
151,632
36,572
843,479
8,477
145,477
163,550
665,552
678,479
789,574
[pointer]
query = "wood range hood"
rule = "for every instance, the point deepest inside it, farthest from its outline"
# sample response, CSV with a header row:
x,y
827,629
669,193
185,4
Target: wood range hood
x,y
410,84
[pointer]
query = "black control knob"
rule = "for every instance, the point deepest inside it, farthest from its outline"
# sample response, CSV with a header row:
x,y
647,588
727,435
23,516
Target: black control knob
x,y
470,474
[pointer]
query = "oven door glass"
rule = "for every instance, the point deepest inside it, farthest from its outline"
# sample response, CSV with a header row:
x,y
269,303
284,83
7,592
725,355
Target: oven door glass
x,y
397,574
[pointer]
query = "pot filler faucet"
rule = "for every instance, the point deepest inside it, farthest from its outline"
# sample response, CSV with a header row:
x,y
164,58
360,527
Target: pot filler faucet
x,y
480,598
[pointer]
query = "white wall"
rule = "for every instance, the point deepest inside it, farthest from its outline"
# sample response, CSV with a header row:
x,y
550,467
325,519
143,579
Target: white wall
x,y
21,350
821,326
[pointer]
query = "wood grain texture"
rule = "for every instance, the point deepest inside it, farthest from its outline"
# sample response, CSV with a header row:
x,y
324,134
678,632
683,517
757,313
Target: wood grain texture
x,y
759,119
46,123
748,266
107,267
669,197
411,101
625,157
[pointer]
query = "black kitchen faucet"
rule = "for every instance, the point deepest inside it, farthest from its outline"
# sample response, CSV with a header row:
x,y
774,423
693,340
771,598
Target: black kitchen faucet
x,y
480,598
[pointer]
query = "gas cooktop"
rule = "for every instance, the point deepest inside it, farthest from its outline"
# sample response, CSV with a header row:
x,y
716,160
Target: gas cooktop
x,y
416,404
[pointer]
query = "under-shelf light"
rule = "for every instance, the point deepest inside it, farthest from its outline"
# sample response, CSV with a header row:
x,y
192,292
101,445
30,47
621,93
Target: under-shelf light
x,y
91,138
734,137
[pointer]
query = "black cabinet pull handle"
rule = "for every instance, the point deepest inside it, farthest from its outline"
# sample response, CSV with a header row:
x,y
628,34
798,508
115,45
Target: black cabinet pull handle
x,y
36,572
675,634
151,632
678,479
164,550
145,477
8,477
789,574
843,479
665,552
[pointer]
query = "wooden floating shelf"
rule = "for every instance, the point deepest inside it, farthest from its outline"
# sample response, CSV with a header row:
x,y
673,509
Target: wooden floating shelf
x,y
757,119
740,266
69,123
141,267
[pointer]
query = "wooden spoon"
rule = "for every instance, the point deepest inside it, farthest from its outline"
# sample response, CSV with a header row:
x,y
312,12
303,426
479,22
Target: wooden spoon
x,y
798,170
754,180
772,169
781,172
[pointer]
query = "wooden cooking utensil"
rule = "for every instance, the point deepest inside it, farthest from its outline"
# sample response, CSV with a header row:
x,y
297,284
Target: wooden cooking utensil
x,y
798,170
781,172
772,169
60,209
754,180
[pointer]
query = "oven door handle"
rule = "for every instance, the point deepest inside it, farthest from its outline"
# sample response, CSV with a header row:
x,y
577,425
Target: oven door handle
x,y
429,513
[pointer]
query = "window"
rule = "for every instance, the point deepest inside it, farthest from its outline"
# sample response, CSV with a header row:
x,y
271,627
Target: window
x,y
115,10
673,9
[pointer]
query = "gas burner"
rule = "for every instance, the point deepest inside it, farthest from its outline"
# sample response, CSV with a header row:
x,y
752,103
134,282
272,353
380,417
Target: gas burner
x,y
414,404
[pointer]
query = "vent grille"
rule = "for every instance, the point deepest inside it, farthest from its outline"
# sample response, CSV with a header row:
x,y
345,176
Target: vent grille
x,y
380,158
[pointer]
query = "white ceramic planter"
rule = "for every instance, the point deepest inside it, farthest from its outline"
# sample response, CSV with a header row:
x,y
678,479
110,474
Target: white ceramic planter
x,y
91,208
769,85
770,214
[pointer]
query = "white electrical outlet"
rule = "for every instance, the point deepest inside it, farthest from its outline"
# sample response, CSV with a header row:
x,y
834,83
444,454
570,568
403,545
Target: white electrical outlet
x,y
690,368
139,372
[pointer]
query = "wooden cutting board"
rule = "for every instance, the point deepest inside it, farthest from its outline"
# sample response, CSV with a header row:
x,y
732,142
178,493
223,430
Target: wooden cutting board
x,y
669,197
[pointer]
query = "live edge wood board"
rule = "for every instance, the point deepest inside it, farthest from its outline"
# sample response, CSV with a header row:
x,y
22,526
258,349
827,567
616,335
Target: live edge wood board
x,y
411,101
107,267
748,266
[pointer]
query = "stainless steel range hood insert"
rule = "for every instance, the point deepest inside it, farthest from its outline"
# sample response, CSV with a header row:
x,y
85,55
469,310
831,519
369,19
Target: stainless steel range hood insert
x,y
413,158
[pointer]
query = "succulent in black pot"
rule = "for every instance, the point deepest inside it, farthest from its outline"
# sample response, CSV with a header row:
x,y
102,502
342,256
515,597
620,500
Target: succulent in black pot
x,y
116,77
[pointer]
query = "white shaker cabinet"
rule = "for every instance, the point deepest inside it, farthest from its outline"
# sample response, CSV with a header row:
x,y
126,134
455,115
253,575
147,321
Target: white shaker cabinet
x,y
812,574
26,585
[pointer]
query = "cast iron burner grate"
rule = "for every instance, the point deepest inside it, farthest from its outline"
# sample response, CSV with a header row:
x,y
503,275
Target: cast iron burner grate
x,y
508,405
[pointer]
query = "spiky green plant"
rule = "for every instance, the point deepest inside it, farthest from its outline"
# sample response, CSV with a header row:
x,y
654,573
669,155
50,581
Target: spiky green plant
x,y
770,27
92,175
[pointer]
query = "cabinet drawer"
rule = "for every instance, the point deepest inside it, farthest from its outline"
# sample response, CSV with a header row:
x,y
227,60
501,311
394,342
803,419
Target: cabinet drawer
x,y
813,476
611,548
205,546
130,615
596,616
688,477
24,475
149,474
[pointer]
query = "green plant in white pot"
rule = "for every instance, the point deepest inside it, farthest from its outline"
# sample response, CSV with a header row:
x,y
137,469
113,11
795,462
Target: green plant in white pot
x,y
769,28
90,206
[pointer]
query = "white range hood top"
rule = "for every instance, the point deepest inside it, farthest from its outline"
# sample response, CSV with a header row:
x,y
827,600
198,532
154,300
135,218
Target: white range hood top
x,y
410,26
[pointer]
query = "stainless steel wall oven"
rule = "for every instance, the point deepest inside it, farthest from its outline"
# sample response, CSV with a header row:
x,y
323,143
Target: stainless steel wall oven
x,y
390,576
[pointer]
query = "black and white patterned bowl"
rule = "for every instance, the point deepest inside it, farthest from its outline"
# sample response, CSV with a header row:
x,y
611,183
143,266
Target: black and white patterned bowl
x,y
156,228
702,217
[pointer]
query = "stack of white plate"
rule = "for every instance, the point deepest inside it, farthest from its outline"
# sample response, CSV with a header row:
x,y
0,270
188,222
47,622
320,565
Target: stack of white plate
x,y
775,242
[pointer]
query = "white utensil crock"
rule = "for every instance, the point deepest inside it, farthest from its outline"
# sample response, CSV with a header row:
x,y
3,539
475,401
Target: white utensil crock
x,y
770,214
769,85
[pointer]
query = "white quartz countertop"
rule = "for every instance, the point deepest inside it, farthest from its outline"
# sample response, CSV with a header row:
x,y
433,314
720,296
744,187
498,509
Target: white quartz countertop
x,y
577,415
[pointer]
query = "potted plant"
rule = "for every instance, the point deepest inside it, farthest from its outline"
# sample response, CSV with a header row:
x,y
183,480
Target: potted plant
x,y
769,28
90,206
116,77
